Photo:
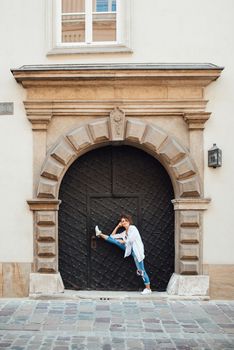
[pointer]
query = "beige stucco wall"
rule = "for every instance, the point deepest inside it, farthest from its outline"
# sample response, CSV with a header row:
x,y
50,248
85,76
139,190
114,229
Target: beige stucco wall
x,y
174,31
15,186
219,184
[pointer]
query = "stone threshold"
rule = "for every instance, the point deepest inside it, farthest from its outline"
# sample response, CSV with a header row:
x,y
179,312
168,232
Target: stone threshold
x,y
112,295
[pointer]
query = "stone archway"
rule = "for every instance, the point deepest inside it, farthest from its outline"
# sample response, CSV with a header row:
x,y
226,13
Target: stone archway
x,y
188,202
150,138
161,97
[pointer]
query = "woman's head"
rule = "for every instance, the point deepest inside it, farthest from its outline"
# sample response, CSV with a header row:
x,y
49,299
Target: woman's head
x,y
126,220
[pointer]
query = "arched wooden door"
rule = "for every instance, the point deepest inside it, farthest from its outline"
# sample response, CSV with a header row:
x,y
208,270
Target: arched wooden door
x,y
96,189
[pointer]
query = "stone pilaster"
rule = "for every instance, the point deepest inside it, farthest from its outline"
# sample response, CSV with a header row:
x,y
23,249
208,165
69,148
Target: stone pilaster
x,y
40,119
196,124
45,234
189,238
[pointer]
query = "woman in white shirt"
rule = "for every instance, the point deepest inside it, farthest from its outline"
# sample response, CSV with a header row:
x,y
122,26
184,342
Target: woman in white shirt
x,y
130,241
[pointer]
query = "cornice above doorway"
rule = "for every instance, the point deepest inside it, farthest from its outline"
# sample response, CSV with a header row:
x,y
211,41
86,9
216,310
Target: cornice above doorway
x,y
165,73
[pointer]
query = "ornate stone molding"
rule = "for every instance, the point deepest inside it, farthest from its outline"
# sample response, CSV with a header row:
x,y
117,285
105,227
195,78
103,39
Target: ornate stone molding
x,y
189,74
39,114
43,204
191,203
40,123
63,108
197,120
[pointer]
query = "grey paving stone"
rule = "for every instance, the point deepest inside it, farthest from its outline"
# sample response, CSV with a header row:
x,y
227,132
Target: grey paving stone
x,y
93,324
4,345
106,346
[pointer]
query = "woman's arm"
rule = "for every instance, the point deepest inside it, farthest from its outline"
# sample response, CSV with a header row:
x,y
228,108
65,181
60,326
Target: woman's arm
x,y
116,229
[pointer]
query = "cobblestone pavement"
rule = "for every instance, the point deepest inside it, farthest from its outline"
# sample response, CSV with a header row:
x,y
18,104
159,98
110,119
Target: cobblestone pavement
x,y
103,324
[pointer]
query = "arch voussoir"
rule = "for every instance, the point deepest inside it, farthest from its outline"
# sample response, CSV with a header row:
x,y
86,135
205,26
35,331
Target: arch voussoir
x,y
153,138
63,152
52,169
100,130
183,169
171,151
47,188
80,138
134,131
189,187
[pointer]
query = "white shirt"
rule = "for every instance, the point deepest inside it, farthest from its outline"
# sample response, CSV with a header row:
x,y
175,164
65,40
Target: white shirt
x,y
134,242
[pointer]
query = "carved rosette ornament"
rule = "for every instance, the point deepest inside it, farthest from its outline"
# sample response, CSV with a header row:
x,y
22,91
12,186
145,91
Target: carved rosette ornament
x,y
117,124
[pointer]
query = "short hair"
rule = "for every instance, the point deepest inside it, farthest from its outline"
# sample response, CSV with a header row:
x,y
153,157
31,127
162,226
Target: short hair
x,y
127,217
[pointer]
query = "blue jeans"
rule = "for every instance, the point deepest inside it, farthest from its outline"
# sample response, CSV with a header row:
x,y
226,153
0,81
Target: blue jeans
x,y
139,265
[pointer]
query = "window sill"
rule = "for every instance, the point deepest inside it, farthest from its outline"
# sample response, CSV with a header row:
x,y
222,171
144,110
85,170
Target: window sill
x,y
68,50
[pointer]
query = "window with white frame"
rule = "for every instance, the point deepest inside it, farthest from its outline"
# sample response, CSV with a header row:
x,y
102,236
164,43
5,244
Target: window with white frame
x,y
85,24
88,21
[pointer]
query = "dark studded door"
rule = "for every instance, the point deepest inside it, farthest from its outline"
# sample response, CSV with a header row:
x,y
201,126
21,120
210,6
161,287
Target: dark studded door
x,y
96,189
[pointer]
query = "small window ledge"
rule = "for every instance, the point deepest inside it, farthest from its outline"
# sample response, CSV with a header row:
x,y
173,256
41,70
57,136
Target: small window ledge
x,y
65,50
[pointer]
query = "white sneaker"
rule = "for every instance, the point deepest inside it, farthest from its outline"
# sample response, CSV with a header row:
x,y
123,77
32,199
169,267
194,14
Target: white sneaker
x,y
146,291
98,232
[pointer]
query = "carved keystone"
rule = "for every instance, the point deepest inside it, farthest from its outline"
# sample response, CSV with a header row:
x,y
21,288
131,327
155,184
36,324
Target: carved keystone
x,y
63,152
189,188
189,219
117,124
99,130
52,169
172,151
153,137
134,130
79,138
183,169
46,188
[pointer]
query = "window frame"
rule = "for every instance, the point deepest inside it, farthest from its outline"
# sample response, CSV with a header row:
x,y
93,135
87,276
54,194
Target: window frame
x,y
53,31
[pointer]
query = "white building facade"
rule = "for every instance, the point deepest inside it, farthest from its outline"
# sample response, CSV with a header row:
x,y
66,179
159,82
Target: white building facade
x,y
80,76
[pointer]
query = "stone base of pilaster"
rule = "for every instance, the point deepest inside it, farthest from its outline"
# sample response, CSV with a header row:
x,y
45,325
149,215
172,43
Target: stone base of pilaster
x,y
45,283
188,285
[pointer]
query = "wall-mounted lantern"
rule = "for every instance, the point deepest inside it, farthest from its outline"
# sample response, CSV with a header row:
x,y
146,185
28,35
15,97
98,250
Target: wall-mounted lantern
x,y
214,157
